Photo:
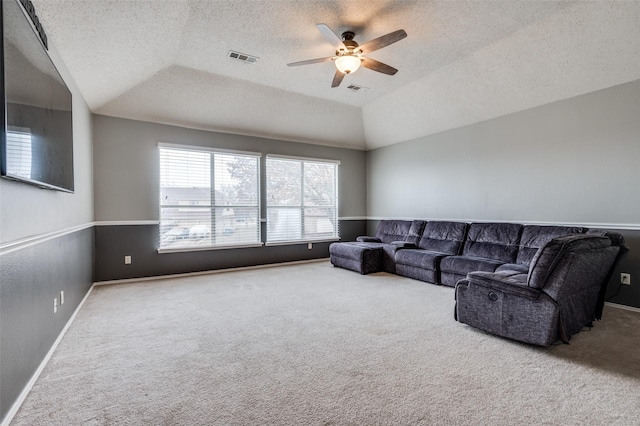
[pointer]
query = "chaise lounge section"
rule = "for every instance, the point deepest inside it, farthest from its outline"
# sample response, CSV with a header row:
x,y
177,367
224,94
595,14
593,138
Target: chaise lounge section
x,y
374,254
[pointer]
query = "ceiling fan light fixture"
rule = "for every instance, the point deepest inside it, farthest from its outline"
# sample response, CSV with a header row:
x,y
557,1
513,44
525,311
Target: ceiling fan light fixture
x,y
347,64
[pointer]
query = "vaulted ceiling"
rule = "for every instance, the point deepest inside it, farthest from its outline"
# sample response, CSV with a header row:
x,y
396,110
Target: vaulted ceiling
x,y
462,62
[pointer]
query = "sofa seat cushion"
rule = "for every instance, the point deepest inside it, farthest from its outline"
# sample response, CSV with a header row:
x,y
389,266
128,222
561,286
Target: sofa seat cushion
x,y
462,265
424,259
522,268
419,264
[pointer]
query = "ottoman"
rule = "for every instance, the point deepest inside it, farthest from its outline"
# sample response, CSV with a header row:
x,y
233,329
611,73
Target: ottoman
x,y
360,257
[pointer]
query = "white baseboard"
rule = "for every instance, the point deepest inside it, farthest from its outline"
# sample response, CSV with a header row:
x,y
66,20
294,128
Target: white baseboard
x,y
628,308
214,271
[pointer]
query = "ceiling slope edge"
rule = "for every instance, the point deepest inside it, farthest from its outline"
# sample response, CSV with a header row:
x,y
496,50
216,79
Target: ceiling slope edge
x,y
229,105
534,66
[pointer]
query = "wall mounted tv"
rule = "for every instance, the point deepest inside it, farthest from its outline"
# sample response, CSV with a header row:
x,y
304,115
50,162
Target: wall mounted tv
x,y
36,146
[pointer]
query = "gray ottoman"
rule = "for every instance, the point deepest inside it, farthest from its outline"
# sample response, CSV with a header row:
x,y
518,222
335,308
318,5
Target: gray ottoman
x,y
360,257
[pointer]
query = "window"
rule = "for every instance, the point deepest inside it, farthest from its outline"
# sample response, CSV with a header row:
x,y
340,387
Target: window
x,y
208,198
302,199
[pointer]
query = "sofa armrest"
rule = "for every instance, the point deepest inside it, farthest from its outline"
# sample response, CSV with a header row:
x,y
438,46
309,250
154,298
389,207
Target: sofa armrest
x,y
365,239
403,244
509,282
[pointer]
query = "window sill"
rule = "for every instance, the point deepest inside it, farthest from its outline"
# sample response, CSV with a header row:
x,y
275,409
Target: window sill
x,y
208,248
288,243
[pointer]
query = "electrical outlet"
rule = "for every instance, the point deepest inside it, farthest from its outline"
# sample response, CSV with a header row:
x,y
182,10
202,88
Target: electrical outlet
x,y
62,298
310,246
55,305
625,278
127,260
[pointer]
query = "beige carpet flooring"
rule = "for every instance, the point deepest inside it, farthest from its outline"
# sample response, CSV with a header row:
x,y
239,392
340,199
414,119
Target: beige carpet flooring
x,y
310,344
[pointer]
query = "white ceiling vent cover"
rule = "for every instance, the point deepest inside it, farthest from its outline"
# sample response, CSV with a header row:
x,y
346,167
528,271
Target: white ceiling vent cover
x,y
242,57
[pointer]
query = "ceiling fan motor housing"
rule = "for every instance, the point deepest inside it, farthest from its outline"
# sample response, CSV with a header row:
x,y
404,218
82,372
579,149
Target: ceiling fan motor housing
x,y
347,40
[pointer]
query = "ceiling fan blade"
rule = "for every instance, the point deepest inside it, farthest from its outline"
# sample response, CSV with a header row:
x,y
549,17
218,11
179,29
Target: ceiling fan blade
x,y
310,61
337,79
382,41
331,37
372,64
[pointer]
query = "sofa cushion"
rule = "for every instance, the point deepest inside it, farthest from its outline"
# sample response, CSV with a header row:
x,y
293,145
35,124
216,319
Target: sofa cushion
x,y
533,237
462,265
544,261
497,241
443,237
415,231
399,230
517,267
424,259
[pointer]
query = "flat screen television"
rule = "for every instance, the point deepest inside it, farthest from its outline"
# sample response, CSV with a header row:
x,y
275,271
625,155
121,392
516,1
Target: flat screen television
x,y
37,133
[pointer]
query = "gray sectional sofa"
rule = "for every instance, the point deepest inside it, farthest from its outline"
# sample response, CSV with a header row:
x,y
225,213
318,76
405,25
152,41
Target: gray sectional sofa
x,y
536,284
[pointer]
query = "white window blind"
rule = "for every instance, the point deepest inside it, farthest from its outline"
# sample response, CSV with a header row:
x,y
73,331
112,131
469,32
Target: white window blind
x,y
302,200
208,199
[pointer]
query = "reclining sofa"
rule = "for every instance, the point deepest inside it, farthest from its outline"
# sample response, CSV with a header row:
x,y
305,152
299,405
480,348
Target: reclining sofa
x,y
536,284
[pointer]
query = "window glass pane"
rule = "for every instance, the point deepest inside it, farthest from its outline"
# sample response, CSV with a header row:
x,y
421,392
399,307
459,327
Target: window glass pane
x,y
319,184
284,182
185,227
185,178
284,224
236,180
237,225
320,222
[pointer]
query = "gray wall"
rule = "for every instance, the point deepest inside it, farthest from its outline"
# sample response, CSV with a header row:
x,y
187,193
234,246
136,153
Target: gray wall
x,y
572,162
126,171
46,246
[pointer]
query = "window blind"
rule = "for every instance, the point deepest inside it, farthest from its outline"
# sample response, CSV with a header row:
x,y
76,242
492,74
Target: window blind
x,y
208,199
302,200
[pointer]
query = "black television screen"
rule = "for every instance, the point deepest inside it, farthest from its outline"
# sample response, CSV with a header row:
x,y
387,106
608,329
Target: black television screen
x,y
37,138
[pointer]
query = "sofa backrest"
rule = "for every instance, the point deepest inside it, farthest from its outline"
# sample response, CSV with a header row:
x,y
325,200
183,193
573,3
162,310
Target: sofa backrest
x,y
616,238
533,237
498,241
443,237
558,254
400,230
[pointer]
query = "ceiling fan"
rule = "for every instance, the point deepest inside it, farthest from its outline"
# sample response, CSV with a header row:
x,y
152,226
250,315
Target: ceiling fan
x,y
349,54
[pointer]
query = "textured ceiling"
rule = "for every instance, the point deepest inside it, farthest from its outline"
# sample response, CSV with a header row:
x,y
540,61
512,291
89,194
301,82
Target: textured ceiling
x,y
462,62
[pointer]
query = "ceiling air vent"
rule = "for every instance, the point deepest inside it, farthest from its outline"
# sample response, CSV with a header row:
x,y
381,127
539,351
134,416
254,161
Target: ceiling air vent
x,y
243,57
356,88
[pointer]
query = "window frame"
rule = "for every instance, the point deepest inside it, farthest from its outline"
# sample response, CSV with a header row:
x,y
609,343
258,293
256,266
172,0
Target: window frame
x,y
212,207
302,206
